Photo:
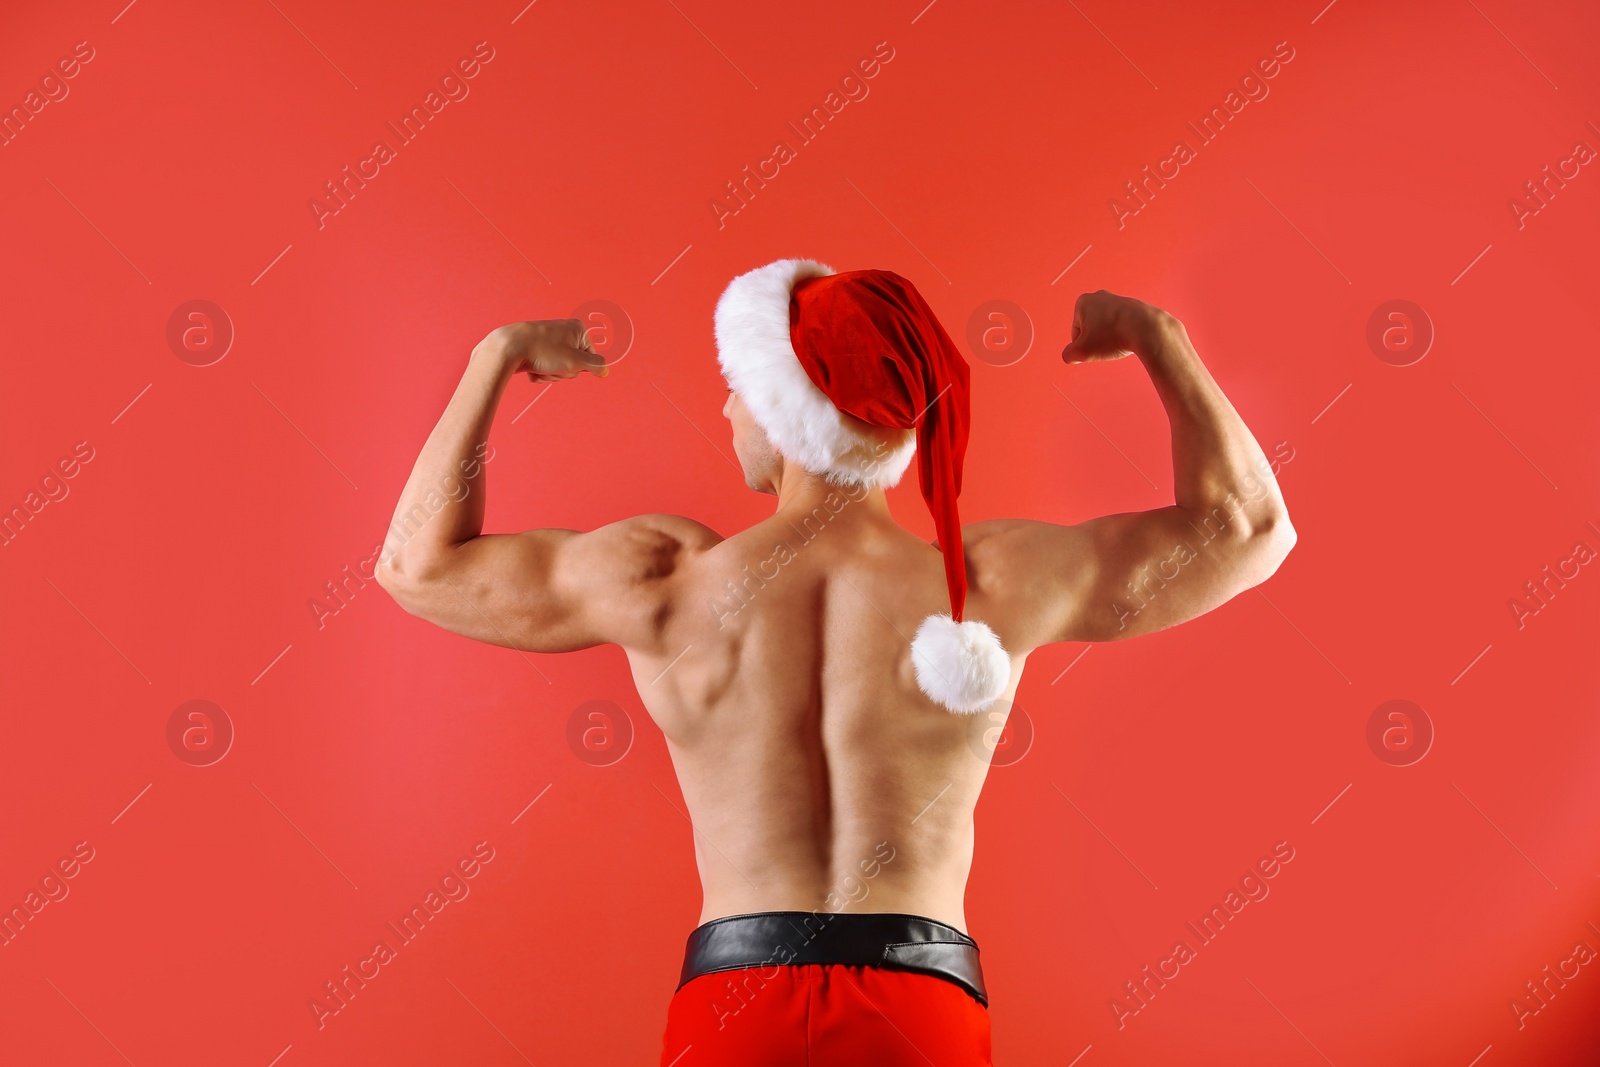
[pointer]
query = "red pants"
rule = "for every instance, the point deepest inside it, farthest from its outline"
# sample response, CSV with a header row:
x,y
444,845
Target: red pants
x,y
824,1015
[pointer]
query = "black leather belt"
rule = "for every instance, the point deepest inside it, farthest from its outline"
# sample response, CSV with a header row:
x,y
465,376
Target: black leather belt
x,y
862,939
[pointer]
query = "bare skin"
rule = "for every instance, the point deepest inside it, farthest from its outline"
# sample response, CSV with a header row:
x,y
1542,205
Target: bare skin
x,y
816,773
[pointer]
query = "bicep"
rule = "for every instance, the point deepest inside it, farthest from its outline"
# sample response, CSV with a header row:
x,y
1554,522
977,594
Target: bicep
x,y
1116,576
548,590
503,589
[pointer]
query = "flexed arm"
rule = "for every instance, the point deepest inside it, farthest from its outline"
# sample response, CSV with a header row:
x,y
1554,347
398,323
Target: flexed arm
x,y
540,590
1123,575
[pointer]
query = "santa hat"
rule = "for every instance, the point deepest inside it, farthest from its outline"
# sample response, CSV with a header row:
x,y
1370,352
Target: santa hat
x,y
800,344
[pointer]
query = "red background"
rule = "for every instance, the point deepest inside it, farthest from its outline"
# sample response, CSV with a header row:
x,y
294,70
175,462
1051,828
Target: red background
x,y
373,753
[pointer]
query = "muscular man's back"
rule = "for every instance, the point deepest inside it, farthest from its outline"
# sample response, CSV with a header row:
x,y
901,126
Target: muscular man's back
x,y
816,773
825,717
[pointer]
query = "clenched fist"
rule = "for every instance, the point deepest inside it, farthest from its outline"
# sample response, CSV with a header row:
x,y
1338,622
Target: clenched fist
x,y
1106,326
546,351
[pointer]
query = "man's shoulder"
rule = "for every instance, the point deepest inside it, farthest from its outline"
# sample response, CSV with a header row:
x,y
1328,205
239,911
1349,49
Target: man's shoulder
x,y
988,541
687,531
657,542
1007,558
989,529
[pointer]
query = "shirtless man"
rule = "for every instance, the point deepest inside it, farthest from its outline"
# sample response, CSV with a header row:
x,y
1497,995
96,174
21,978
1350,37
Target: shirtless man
x,y
832,799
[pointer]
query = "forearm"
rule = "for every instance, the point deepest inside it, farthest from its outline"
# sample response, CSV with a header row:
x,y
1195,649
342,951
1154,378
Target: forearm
x,y
1216,461
442,504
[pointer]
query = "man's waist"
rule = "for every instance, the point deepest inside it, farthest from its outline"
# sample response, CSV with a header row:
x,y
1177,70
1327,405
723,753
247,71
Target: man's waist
x,y
889,940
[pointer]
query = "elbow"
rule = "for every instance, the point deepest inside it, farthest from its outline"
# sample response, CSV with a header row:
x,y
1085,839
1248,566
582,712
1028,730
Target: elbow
x,y
389,576
1275,538
390,572
406,578
392,579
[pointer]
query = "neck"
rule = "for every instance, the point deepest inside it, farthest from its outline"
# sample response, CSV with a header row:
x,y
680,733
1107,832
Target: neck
x,y
800,491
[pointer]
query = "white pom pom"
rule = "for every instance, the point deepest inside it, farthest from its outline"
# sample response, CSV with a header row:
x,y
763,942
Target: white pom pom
x,y
960,665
